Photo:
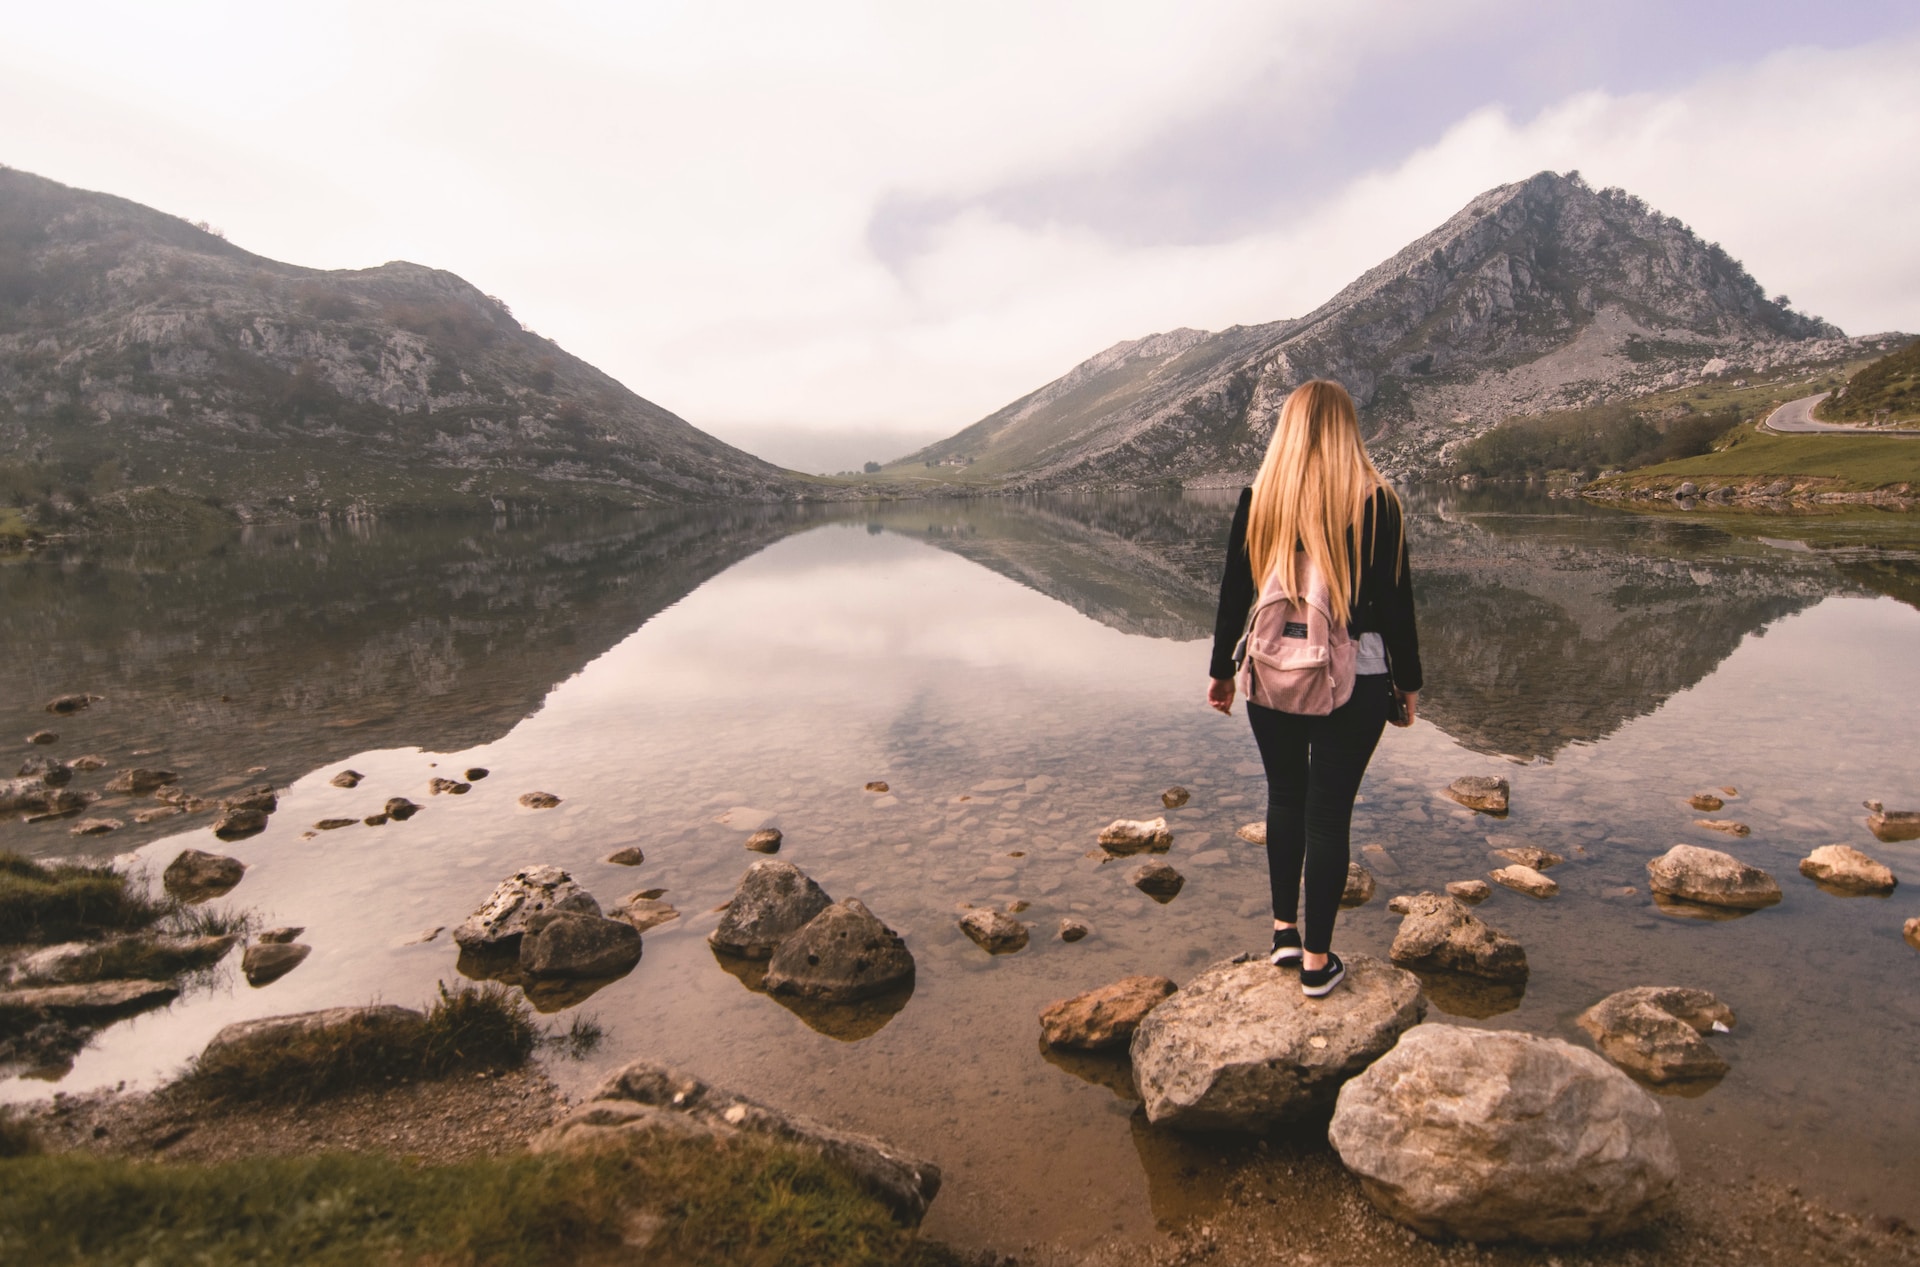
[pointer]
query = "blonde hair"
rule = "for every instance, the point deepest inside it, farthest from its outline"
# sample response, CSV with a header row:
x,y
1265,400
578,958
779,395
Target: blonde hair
x,y
1314,487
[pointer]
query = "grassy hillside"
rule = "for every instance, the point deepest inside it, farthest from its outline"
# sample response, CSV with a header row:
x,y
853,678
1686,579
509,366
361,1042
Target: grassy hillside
x,y
1836,463
1887,390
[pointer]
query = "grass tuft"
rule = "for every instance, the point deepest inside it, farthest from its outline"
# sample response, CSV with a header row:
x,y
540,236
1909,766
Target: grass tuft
x,y
471,1028
747,1202
62,901
580,1039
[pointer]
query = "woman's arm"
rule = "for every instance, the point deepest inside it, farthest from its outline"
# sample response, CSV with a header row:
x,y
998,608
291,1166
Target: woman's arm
x,y
1236,595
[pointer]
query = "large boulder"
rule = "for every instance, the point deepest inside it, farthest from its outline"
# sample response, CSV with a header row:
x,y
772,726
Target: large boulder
x,y
1239,1048
1495,1135
844,954
196,875
645,1099
775,900
1441,935
1846,868
1656,1031
1104,1017
574,944
519,898
1711,878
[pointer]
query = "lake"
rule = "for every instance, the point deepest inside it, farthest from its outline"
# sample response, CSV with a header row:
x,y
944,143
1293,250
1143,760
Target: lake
x,y
1020,673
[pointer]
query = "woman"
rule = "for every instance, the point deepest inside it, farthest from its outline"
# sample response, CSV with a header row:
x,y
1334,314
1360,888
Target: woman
x,y
1319,495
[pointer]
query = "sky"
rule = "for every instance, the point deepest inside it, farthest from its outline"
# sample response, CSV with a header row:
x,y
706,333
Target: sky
x,y
834,231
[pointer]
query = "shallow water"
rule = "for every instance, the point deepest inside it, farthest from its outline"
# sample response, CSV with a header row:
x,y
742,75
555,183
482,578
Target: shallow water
x,y
1020,674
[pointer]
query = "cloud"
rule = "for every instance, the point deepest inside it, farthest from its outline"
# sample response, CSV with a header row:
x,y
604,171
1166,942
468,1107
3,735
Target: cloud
x,y
864,217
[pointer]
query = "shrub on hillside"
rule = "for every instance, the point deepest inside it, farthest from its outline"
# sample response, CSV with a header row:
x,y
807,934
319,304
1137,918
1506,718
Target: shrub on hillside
x,y
1587,441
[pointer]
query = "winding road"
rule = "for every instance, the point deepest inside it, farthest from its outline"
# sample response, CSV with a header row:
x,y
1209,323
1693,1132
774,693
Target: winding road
x,y
1796,418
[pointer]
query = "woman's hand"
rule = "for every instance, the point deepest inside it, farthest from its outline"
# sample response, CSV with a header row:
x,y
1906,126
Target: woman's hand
x,y
1220,695
1411,701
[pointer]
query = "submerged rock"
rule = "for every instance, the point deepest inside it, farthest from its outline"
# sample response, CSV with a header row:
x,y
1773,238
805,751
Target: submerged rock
x,y
196,875
1072,929
644,1100
266,962
1158,881
644,910
64,705
995,932
95,826
1175,797
1526,880
539,800
1531,856
878,786
1725,826
775,900
1104,1017
766,840
1440,935
1711,878
843,955
1126,835
1655,1031
1706,802
516,900
1480,792
41,737
1471,892
1360,887
1495,1135
1844,867
575,944
1239,1048
631,856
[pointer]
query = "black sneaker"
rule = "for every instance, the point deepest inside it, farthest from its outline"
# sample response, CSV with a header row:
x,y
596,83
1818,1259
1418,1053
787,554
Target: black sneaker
x,y
1318,982
1286,948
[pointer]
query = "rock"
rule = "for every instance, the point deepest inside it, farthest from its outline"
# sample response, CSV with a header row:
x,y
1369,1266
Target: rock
x,y
268,1035
644,910
1158,881
236,823
1175,797
86,764
1711,878
1525,880
1480,792
195,875
260,797
1891,825
1105,1017
1531,856
878,786
179,797
539,800
1725,825
141,781
35,796
400,809
1379,859
1072,929
1359,890
97,998
775,900
334,824
1840,866
1687,489
347,778
1655,1031
1125,836
64,705
266,962
1911,931
765,841
1471,892
452,787
158,958
1252,833
476,773
279,936
536,891
49,770
1706,802
1495,1135
570,944
631,856
1440,935
843,955
644,1100
375,820
43,737
95,826
1239,1048
995,932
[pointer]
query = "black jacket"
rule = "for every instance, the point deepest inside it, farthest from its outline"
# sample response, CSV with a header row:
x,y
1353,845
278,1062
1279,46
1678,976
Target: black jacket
x,y
1385,606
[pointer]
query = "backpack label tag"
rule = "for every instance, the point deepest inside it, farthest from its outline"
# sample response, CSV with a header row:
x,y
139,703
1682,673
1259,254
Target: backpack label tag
x,y
1294,629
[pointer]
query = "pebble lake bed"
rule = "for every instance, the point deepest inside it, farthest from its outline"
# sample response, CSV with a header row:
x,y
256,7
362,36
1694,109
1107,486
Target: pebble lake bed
x,y
939,707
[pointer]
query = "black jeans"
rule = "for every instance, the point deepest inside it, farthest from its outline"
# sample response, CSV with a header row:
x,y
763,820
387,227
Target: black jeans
x,y
1314,767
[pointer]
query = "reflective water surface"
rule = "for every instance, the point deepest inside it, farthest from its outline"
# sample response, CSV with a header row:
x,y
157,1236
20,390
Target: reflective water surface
x,y
1019,673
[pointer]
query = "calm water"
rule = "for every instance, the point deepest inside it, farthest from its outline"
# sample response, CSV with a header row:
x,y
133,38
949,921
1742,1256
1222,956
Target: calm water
x,y
1020,674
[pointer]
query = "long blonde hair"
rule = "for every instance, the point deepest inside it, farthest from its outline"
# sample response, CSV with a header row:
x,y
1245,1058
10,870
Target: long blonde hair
x,y
1315,486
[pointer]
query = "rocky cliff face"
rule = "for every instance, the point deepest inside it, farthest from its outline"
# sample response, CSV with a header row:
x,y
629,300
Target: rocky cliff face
x,y
139,350
1538,295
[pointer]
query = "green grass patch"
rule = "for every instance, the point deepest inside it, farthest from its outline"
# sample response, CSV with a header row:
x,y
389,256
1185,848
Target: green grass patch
x,y
469,1028
1887,390
14,529
744,1202
1847,463
48,902
17,1138
1588,441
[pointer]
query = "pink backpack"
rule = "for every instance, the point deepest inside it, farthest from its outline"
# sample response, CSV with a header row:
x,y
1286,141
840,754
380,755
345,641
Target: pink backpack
x,y
1295,657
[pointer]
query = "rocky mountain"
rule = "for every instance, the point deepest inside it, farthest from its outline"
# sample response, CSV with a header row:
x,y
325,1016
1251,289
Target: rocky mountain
x,y
1538,295
140,351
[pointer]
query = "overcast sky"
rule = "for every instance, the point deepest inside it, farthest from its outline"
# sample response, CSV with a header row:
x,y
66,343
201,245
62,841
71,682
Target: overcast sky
x,y
835,230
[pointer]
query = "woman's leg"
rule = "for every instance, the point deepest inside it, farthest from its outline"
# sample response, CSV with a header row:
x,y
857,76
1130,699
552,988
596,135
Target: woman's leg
x,y
1282,738
1339,747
